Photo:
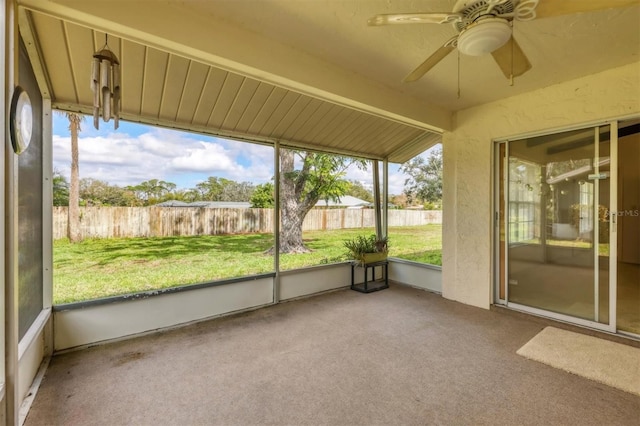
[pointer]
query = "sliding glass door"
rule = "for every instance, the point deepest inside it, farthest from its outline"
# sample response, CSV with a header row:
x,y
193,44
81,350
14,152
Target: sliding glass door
x,y
628,227
553,225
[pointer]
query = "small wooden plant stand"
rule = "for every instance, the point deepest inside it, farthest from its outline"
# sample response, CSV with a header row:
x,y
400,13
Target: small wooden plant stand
x,y
369,262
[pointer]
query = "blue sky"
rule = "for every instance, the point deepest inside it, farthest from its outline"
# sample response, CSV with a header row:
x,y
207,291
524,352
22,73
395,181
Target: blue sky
x,y
137,152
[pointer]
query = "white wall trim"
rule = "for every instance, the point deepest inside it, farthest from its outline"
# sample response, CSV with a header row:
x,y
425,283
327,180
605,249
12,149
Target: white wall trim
x,y
34,332
33,356
316,279
105,322
417,275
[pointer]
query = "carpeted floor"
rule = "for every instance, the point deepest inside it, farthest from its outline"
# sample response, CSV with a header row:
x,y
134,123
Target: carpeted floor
x,y
398,356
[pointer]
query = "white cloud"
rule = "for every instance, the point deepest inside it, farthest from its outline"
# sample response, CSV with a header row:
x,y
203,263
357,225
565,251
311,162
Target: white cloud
x,y
185,159
205,158
396,178
396,183
122,159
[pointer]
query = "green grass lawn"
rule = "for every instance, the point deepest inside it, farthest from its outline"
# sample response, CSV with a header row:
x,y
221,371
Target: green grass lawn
x,y
98,268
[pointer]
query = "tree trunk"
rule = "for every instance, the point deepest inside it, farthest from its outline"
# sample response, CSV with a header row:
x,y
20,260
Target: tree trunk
x,y
73,224
292,209
291,231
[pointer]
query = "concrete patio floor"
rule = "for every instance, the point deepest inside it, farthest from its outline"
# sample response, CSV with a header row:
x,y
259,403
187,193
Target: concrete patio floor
x,y
398,356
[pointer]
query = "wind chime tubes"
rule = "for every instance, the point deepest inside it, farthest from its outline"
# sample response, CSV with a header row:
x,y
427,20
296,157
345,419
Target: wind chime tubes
x,y
105,84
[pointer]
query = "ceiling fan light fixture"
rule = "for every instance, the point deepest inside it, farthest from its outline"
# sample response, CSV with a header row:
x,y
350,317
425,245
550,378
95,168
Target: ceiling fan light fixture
x,y
484,36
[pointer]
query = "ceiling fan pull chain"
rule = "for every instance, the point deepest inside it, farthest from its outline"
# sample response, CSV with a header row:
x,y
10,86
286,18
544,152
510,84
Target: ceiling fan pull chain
x,y
458,74
513,42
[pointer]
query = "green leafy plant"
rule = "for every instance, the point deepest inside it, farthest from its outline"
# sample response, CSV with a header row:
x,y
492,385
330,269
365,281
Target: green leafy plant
x,y
361,245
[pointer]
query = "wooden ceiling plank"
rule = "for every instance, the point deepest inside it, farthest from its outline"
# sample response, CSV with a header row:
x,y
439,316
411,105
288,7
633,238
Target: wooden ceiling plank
x,y
328,118
155,70
132,83
302,120
193,88
50,33
242,100
345,126
279,113
402,137
276,96
392,137
175,80
331,127
80,49
372,135
350,136
411,149
254,107
206,102
290,117
225,100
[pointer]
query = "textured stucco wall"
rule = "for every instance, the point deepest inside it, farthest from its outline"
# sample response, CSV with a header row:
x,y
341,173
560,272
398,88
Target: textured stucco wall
x,y
467,226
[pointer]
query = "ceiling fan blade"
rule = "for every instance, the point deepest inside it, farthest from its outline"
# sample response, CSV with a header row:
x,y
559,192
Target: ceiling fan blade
x,y
414,18
549,8
511,59
432,61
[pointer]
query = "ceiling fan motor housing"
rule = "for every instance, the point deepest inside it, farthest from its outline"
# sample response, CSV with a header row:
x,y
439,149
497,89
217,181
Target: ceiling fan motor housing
x,y
472,9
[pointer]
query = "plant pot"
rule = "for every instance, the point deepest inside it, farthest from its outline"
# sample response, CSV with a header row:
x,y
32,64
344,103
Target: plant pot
x,y
372,257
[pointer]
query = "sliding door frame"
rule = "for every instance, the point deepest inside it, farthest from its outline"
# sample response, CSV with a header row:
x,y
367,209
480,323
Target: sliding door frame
x,y
501,263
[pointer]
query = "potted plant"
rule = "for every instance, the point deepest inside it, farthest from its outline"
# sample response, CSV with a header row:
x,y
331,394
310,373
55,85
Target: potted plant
x,y
367,249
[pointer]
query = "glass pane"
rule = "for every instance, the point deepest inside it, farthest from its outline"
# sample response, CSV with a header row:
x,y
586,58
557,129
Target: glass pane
x,y
558,238
628,218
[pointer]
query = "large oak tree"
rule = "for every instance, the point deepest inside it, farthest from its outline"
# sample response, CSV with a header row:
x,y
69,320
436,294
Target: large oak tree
x,y
314,177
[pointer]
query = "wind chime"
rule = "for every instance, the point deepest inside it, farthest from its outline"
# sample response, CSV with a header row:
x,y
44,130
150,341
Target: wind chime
x,y
105,84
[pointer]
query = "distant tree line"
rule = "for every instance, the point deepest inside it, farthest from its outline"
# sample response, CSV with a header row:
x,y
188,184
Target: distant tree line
x,y
95,192
422,188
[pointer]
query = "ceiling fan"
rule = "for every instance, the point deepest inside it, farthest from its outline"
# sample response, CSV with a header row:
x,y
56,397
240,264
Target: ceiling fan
x,y
485,26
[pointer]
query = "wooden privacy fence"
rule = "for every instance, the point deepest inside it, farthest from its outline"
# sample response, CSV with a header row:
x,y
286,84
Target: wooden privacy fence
x,y
114,222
